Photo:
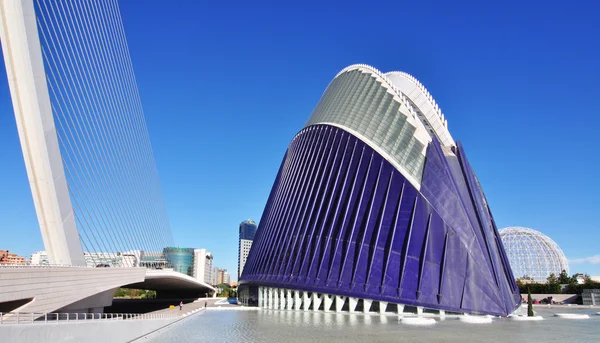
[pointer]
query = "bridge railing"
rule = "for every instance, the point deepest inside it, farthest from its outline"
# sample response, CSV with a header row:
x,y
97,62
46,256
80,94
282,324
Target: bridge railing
x,y
37,317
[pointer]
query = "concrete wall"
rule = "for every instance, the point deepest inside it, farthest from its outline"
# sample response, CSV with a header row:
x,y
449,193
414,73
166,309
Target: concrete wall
x,y
89,332
54,288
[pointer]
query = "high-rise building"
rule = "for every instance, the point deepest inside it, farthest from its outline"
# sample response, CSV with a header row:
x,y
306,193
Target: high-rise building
x,y
203,265
374,200
247,233
7,257
180,259
222,276
39,258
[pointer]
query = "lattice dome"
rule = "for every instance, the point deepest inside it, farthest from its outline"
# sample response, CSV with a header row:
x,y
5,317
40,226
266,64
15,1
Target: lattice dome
x,y
532,254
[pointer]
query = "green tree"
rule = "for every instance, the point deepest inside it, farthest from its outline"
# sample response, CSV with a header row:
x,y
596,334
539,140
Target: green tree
x,y
552,279
564,278
529,304
587,279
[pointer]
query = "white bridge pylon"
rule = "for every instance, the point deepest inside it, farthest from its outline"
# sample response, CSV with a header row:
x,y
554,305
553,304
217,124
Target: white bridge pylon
x,y
37,132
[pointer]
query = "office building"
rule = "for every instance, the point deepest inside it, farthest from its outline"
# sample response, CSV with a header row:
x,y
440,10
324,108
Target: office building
x,y
247,232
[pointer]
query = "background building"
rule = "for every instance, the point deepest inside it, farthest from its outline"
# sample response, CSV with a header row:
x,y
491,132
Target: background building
x,y
7,257
203,263
532,254
39,258
247,233
180,259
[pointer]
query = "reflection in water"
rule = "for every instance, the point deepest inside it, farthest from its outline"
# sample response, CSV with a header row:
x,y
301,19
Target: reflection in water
x,y
299,326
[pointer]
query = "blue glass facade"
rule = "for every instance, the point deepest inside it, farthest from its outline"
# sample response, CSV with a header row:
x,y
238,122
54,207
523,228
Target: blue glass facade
x,y
180,259
248,229
341,219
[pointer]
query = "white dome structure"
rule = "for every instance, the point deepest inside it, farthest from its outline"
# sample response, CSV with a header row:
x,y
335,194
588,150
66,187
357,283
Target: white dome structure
x,y
532,254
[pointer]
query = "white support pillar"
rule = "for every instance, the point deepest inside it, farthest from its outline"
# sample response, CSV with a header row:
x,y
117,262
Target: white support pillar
x,y
316,301
400,309
382,307
282,299
352,302
290,301
260,297
276,299
442,313
419,310
305,301
270,298
37,132
367,305
297,301
328,299
339,303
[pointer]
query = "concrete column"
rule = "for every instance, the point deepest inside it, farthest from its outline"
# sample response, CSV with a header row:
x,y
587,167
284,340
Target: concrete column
x,y
290,301
276,299
442,313
367,305
400,309
382,307
270,298
339,303
316,300
352,302
328,301
282,299
297,301
419,310
305,301
260,297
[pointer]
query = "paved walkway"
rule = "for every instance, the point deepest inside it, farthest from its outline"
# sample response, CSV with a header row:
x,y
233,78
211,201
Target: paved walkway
x,y
197,304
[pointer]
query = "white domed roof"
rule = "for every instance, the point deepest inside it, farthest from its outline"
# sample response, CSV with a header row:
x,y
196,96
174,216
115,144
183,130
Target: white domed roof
x,y
532,254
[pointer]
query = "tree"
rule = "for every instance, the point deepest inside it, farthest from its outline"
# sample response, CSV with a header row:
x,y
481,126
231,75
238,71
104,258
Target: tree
x,y
529,304
587,279
552,279
564,278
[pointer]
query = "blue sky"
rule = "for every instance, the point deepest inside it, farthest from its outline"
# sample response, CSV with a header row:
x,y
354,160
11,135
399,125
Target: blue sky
x,y
225,86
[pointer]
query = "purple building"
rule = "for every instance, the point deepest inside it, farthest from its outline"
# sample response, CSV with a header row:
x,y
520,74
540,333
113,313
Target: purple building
x,y
376,208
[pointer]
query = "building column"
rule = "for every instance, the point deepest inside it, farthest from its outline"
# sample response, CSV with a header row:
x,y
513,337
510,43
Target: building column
x,y
282,299
275,298
339,303
382,307
328,301
400,309
367,305
290,301
270,298
316,300
419,310
260,297
305,301
442,313
297,301
352,302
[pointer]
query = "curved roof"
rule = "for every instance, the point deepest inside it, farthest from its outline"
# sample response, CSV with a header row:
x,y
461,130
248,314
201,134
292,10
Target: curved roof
x,y
393,113
532,253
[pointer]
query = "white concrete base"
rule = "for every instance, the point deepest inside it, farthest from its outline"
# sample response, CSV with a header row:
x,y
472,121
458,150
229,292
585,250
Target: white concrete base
x,y
475,319
328,300
316,300
382,307
305,301
290,300
367,305
353,302
526,318
339,303
297,301
417,321
572,316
